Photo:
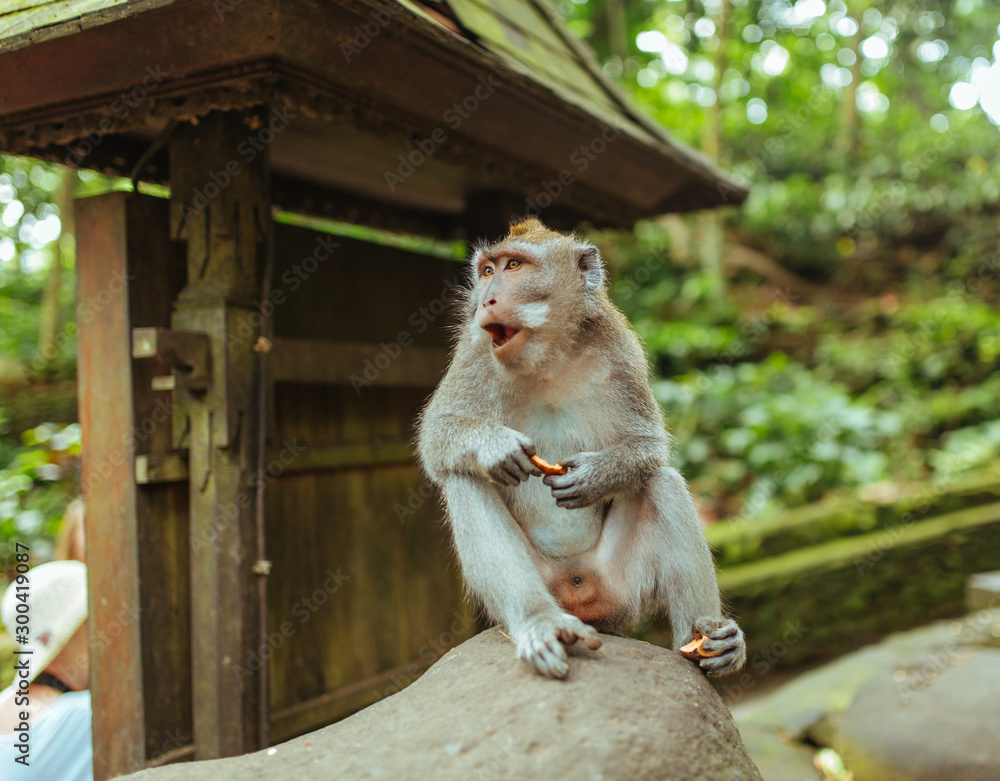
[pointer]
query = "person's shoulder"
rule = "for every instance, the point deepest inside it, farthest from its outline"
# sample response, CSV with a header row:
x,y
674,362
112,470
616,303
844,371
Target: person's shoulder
x,y
79,699
74,701
70,709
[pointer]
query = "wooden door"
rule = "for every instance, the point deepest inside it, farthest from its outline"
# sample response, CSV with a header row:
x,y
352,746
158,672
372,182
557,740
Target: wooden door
x,y
364,590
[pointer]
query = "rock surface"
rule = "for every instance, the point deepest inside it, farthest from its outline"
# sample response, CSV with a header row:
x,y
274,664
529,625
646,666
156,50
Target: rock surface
x,y
919,705
983,591
778,757
926,723
627,711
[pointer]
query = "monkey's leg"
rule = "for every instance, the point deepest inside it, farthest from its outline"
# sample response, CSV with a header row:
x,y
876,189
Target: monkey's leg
x,y
500,570
656,542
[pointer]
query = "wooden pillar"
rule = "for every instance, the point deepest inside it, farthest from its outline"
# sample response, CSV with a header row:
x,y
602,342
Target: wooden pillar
x,y
104,363
127,275
220,207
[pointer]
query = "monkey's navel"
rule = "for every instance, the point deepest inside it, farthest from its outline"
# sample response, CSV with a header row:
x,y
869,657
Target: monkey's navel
x,y
577,580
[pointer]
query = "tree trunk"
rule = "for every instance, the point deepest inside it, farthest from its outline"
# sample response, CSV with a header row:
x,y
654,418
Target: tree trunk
x,y
709,222
617,28
848,141
48,327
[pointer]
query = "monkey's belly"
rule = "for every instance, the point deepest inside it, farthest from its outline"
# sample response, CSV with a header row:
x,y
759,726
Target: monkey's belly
x,y
553,530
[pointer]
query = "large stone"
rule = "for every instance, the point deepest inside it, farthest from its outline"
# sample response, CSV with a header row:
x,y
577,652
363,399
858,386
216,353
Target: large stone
x,y
919,705
982,592
627,711
927,722
800,706
778,756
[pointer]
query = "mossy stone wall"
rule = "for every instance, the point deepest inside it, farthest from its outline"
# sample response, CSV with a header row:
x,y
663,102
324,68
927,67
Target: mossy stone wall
x,y
823,580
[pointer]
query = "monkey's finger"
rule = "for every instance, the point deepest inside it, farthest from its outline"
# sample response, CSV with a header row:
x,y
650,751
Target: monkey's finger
x,y
548,657
726,629
557,668
720,665
563,499
563,488
514,467
713,647
588,634
526,464
559,481
502,476
527,446
567,636
573,494
516,472
555,658
574,503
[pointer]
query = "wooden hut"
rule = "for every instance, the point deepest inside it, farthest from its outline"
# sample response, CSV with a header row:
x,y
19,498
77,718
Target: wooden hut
x,y
264,555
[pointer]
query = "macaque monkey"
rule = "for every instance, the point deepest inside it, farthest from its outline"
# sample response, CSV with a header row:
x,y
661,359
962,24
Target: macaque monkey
x,y
545,364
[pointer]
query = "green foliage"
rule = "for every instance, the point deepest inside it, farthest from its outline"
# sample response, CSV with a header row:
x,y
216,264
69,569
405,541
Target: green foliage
x,y
884,390
30,228
39,470
874,175
38,479
873,137
777,428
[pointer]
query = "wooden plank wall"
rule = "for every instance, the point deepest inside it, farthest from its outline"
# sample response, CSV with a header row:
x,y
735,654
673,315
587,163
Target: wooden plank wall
x,y
162,508
364,593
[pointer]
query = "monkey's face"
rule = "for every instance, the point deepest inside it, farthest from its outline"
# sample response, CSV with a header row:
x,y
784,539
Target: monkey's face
x,y
512,303
532,289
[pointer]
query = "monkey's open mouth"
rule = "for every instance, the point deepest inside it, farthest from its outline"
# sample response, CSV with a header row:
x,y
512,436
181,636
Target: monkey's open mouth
x,y
501,333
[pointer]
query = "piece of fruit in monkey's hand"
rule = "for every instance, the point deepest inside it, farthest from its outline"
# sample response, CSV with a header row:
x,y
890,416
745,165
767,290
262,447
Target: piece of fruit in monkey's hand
x,y
547,468
693,650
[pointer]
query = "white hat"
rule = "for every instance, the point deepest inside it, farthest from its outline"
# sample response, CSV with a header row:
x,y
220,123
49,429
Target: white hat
x,y
56,599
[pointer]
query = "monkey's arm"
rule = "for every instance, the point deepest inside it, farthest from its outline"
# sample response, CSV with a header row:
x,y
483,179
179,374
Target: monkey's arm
x,y
461,434
620,470
476,446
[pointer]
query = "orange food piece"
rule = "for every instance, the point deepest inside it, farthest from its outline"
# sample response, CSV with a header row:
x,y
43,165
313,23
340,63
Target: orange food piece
x,y
547,468
693,649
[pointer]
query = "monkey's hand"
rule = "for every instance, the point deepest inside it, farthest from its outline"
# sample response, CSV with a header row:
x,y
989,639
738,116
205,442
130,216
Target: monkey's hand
x,y
724,639
540,641
506,458
586,482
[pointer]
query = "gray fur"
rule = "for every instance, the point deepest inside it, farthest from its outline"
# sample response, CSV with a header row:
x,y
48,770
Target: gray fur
x,y
574,390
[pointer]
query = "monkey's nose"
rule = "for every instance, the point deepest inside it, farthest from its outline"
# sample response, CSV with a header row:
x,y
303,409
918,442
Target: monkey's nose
x,y
491,302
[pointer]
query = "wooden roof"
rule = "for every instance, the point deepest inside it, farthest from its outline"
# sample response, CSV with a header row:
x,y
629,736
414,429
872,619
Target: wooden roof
x,y
358,100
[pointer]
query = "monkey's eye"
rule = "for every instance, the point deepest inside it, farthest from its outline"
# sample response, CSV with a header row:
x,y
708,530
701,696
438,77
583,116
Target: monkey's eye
x,y
488,271
513,263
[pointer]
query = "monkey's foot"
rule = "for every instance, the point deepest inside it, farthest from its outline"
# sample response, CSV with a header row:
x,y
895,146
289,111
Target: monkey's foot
x,y
541,638
724,645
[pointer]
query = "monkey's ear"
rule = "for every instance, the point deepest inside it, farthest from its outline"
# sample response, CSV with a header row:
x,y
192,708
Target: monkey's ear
x,y
588,260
